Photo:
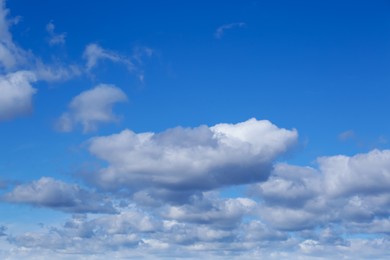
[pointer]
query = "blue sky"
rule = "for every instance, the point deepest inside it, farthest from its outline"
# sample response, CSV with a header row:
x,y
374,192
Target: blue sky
x,y
147,129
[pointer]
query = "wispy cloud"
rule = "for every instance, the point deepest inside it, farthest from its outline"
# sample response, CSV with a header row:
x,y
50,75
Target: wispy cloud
x,y
222,29
94,54
55,38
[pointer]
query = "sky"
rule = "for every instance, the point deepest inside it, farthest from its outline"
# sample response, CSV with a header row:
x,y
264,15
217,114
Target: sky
x,y
194,129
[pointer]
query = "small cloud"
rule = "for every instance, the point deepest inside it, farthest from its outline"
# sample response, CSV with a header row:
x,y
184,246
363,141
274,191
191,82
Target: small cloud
x,y
221,30
55,38
347,135
94,53
90,108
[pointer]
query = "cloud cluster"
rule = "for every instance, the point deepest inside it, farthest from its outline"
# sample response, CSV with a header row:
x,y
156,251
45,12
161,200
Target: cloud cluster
x,y
164,193
91,108
19,69
348,191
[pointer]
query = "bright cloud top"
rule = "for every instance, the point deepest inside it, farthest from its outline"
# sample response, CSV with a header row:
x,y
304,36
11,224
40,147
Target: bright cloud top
x,y
91,108
192,158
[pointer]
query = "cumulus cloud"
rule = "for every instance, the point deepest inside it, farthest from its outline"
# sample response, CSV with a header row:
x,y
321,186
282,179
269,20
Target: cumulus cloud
x,y
50,193
16,94
55,38
221,30
351,190
360,174
91,108
201,158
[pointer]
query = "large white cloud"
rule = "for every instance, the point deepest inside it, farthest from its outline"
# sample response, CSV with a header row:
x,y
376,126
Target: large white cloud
x,y
200,158
91,108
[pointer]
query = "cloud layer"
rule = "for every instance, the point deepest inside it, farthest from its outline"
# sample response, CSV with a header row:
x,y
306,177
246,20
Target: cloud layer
x,y
284,211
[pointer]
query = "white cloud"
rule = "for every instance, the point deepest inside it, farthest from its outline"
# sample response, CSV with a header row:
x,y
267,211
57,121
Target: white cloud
x,y
185,159
91,108
95,54
47,192
20,68
349,190
55,38
221,30
16,94
11,56
360,174
214,211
